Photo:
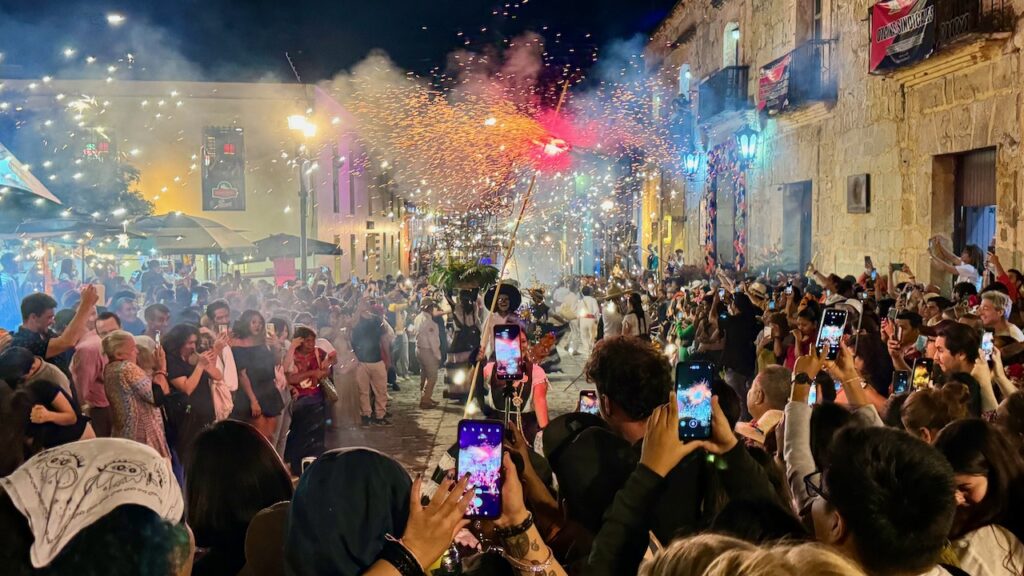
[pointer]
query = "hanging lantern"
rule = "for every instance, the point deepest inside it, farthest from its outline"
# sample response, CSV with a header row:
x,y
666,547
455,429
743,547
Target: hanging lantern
x,y
691,163
747,140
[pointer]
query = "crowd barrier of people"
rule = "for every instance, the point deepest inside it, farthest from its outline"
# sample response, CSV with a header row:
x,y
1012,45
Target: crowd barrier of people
x,y
864,424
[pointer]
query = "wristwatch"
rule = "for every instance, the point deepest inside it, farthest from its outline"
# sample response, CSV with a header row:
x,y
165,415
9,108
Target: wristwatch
x,y
802,378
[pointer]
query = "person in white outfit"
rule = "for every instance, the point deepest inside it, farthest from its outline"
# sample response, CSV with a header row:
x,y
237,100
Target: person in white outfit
x,y
428,352
589,310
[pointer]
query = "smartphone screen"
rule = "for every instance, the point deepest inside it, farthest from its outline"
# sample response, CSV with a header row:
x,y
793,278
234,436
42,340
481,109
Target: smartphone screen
x,y
987,343
893,313
789,289
900,381
874,274
588,402
157,338
222,328
721,292
508,355
812,396
480,457
771,304
693,398
832,324
922,373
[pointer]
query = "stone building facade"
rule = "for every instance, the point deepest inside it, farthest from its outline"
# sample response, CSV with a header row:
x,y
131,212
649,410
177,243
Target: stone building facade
x,y
933,146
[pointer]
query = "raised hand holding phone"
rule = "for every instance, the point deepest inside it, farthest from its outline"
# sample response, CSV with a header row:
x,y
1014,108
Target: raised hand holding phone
x,y
662,450
430,529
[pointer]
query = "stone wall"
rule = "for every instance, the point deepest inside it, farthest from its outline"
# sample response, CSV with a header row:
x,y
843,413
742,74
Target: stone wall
x,y
895,127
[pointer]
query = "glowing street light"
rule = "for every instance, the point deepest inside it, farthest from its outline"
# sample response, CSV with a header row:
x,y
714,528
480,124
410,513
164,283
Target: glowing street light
x,y
747,140
115,19
300,123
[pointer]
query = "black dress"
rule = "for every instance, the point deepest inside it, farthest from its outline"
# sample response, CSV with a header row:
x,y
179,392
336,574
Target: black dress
x,y
49,434
187,415
258,363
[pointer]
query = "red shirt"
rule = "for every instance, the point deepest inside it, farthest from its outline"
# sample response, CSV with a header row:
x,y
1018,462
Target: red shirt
x,y
304,362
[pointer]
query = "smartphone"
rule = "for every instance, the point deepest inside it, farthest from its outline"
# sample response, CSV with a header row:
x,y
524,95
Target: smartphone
x,y
874,275
766,333
771,304
833,322
588,402
863,295
898,333
271,333
922,373
896,266
789,289
480,456
508,354
723,316
721,293
900,381
324,269
222,328
812,396
868,265
693,398
157,337
195,299
893,313
987,343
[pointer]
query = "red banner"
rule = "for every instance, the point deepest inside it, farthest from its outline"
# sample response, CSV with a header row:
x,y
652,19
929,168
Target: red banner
x,y
773,85
902,33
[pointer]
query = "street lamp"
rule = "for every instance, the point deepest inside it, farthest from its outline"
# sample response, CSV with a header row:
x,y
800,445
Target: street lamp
x,y
302,125
691,163
747,140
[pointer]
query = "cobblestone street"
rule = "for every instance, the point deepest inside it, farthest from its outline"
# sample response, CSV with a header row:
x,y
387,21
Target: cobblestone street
x,y
419,437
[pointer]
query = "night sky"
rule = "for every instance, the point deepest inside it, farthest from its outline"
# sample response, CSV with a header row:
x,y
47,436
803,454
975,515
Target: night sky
x,y
247,39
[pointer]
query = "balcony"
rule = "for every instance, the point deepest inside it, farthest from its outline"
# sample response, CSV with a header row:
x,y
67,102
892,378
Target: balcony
x,y
723,91
919,31
810,78
956,19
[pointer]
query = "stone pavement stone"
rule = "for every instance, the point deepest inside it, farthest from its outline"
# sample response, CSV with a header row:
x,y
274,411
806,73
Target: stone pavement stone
x,y
419,437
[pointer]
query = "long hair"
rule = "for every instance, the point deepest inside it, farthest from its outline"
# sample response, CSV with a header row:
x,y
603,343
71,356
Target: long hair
x,y
243,326
975,257
636,306
978,448
176,338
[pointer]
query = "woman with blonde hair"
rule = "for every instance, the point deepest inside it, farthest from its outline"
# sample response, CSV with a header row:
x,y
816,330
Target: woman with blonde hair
x,y
717,555
135,396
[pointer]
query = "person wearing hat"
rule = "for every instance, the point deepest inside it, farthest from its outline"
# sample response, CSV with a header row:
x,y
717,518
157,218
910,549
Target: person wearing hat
x,y
509,298
758,293
428,352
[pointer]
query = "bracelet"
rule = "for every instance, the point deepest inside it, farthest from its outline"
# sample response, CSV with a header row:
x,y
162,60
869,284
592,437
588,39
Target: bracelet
x,y
513,531
160,373
396,554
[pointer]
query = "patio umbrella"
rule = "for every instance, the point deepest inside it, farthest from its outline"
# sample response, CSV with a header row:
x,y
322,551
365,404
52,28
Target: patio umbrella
x,y
287,246
178,233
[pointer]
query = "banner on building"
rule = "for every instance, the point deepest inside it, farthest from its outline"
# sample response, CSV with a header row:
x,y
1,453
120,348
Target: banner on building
x,y
773,85
902,33
223,169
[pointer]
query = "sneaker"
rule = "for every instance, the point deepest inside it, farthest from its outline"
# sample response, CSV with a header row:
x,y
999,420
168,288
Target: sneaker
x,y
366,421
381,422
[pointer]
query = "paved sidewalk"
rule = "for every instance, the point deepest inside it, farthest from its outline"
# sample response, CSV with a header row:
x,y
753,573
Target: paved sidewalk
x,y
419,437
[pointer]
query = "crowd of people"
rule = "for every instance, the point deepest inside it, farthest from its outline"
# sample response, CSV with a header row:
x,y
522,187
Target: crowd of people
x,y
193,437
